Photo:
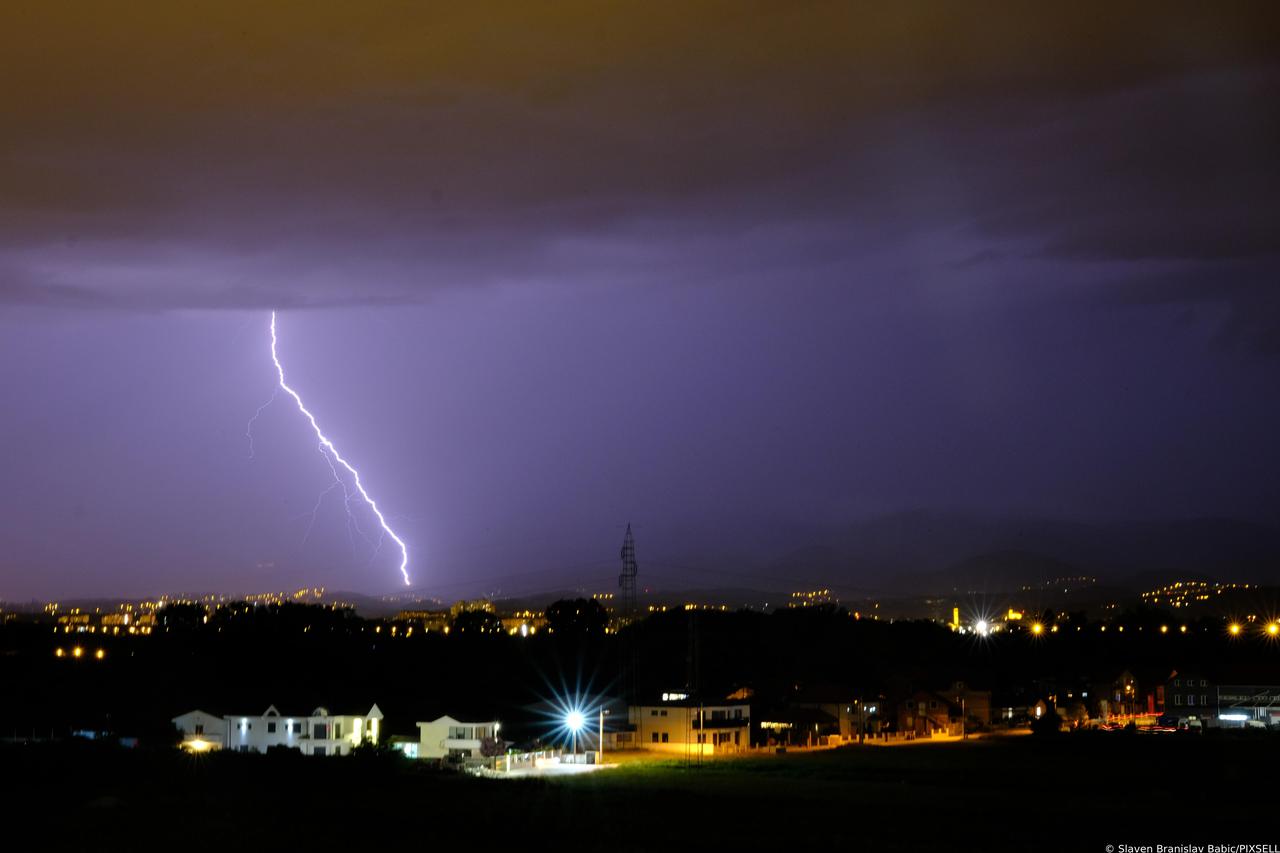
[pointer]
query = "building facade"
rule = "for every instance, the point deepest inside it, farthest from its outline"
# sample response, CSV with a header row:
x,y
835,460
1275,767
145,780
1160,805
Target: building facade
x,y
679,724
317,733
447,737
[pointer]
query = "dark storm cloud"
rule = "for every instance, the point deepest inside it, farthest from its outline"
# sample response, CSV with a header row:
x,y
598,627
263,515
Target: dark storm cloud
x,y
235,156
739,272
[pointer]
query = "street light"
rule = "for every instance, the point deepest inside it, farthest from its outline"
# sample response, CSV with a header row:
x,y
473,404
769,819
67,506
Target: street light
x,y
600,751
574,721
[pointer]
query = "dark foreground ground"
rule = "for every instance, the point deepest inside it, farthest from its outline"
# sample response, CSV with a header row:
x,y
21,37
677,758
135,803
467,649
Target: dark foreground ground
x,y
1073,792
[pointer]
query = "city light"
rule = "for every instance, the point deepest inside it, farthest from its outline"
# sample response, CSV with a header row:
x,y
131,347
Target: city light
x,y
1037,628
982,627
77,652
100,654
1273,628
1234,629
58,653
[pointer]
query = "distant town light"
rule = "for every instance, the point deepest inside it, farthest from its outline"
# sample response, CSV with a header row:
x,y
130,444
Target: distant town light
x,y
1273,628
982,627
58,653
100,654
1037,628
1234,629
77,652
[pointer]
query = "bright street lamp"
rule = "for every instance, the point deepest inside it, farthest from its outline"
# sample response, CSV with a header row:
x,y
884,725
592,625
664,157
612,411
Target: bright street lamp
x,y
575,720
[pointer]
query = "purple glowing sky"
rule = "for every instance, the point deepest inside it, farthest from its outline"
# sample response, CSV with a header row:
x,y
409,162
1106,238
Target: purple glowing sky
x,y
727,274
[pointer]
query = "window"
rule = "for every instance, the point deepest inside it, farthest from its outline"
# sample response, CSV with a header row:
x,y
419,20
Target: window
x,y
1177,700
337,729
663,712
653,712
1204,699
320,731
199,728
271,728
297,728
1177,682
655,737
736,741
665,739
319,750
1204,683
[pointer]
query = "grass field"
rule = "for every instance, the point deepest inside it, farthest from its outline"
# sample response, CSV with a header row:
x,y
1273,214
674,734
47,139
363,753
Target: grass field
x,y
1074,792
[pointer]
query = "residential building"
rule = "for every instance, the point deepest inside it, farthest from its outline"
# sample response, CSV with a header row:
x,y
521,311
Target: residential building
x,y
1230,697
317,733
680,723
926,712
201,731
446,737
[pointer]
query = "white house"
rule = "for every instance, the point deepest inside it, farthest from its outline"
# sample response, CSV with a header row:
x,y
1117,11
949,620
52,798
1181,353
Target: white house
x,y
201,731
446,737
319,733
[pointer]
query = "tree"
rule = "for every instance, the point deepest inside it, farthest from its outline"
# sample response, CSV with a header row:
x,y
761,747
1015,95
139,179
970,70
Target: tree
x,y
577,617
476,622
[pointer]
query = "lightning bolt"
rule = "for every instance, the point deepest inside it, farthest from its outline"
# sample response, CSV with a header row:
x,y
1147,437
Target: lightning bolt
x,y
333,458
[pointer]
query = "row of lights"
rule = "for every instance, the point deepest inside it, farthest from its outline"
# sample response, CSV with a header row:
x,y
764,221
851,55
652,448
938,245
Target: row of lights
x,y
79,652
1272,629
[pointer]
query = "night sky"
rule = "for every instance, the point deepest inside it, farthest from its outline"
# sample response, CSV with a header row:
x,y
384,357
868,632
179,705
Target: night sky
x,y
727,271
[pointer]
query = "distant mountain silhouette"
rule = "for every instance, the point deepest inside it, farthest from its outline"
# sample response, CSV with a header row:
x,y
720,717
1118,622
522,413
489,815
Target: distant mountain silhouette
x,y
923,551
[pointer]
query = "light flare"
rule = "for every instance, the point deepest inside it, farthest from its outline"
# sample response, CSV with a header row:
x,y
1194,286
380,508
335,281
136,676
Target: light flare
x,y
335,459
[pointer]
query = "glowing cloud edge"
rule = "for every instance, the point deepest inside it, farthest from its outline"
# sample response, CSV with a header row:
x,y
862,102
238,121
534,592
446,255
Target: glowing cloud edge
x,y
333,455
